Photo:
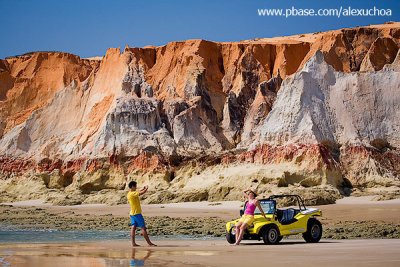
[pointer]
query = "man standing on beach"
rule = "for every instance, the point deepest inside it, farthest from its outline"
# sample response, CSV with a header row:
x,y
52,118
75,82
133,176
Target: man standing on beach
x,y
136,216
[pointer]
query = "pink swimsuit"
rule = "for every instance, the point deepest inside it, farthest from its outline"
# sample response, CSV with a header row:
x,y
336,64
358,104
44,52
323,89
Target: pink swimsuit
x,y
250,208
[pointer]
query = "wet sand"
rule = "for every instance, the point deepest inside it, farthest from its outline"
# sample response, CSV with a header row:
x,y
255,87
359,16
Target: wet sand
x,y
370,252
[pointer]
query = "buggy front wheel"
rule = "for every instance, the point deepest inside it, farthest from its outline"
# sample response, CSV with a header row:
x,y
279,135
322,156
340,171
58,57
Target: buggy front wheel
x,y
270,235
231,238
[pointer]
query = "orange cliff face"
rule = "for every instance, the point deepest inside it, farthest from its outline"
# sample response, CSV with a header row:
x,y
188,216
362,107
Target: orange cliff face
x,y
192,98
31,81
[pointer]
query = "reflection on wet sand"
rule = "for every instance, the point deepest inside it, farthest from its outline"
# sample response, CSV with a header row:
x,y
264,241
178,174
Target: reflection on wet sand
x,y
81,254
138,260
217,253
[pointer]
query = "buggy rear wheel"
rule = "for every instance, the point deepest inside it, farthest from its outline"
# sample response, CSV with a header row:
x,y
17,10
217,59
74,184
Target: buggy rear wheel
x,y
314,231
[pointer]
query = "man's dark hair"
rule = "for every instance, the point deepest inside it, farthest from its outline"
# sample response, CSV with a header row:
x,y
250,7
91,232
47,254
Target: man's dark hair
x,y
132,184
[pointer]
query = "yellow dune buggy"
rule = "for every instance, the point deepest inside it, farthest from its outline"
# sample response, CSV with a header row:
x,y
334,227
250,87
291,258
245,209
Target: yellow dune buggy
x,y
280,222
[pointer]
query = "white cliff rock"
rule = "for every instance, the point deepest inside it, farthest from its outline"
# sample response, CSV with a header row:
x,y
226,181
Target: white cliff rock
x,y
319,104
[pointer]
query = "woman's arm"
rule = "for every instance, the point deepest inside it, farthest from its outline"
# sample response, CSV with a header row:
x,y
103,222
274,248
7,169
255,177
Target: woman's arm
x,y
260,208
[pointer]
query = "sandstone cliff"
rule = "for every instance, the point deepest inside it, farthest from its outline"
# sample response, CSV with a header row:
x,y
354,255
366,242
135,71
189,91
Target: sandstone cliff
x,y
200,120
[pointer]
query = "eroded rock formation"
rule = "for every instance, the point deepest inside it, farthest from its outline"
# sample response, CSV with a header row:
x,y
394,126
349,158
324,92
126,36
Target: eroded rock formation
x,y
200,120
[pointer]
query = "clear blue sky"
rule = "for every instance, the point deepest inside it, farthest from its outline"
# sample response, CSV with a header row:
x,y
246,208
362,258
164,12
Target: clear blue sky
x,y
89,27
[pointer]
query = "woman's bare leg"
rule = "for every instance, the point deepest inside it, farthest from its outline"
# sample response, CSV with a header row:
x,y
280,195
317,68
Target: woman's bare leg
x,y
237,231
242,229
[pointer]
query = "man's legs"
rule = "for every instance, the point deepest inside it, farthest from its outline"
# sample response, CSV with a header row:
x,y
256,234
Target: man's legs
x,y
146,237
142,224
133,233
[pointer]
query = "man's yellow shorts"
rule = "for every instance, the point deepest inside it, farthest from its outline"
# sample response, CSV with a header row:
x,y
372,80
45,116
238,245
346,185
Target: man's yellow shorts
x,y
247,219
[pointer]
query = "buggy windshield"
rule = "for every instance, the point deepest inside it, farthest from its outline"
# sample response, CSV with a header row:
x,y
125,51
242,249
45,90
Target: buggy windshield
x,y
268,207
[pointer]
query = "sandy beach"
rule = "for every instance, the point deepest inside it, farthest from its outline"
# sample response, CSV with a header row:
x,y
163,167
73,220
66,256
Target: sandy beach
x,y
206,253
357,232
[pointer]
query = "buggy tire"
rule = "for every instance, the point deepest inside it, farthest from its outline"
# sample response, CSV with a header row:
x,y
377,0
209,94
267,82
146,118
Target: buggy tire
x,y
270,235
314,231
230,237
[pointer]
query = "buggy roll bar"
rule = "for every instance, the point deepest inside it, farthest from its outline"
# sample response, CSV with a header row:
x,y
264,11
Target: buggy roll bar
x,y
299,200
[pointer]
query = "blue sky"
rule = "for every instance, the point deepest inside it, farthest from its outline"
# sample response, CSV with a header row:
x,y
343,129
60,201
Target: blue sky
x,y
89,27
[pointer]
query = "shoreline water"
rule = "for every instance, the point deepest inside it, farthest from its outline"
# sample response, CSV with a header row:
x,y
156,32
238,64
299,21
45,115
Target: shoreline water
x,y
57,236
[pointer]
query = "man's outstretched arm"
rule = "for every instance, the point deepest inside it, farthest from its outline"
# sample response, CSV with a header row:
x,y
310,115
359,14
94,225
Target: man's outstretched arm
x,y
143,190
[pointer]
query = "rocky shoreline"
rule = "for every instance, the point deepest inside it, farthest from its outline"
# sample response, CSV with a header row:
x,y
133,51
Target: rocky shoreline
x,y
34,218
